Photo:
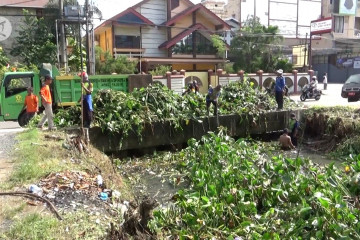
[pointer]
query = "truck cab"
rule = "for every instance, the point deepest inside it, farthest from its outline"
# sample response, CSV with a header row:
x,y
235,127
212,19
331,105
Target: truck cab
x,y
13,92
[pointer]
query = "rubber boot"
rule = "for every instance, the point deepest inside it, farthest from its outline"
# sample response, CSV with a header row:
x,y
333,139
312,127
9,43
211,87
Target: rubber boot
x,y
86,136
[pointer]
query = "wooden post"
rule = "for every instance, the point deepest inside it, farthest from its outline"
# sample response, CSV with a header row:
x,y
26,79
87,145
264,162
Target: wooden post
x,y
295,73
168,79
260,74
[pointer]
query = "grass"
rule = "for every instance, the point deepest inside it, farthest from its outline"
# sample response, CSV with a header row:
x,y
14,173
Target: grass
x,y
33,226
76,225
34,158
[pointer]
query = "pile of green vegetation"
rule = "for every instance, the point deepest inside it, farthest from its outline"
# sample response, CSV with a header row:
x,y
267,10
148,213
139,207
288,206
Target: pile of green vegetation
x,y
119,112
234,191
339,124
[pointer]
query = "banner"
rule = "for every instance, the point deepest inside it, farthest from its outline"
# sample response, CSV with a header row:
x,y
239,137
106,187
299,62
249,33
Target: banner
x,y
347,7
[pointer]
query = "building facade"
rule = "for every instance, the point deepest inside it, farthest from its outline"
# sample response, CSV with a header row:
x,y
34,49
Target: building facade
x,y
169,32
216,6
11,18
338,52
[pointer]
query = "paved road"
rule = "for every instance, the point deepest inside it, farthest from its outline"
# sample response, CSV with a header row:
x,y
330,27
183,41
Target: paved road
x,y
330,97
8,131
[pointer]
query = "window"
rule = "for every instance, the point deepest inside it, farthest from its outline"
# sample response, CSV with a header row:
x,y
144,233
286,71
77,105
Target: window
x,y
339,24
294,59
123,41
16,85
203,45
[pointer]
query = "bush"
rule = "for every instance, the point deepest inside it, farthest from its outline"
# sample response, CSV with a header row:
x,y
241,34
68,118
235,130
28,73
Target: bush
x,y
106,64
160,70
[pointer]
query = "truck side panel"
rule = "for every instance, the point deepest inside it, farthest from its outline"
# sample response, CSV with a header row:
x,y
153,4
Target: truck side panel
x,y
68,88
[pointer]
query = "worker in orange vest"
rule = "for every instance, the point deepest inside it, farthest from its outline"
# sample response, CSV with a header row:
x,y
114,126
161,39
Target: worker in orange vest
x,y
31,105
46,101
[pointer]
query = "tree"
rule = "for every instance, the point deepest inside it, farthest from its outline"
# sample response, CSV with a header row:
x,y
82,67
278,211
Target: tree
x,y
106,64
256,47
219,44
35,42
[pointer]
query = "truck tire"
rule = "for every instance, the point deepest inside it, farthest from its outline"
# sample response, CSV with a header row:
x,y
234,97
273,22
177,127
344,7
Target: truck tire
x,y
22,119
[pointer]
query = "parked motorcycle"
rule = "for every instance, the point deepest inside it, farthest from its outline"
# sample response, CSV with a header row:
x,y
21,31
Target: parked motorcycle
x,y
308,94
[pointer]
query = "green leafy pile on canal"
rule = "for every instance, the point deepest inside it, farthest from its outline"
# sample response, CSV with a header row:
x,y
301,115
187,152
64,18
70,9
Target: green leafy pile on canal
x,y
236,192
120,112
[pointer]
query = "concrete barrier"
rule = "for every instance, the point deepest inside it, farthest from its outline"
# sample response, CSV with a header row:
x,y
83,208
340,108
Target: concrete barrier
x,y
165,134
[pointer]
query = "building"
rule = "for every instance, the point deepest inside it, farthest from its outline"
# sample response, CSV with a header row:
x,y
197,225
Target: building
x,y
235,27
291,16
171,32
11,12
337,52
216,6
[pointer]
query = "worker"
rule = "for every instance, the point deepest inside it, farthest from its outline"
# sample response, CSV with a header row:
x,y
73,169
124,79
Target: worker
x,y
212,98
279,89
196,86
46,101
285,140
294,128
31,104
190,89
87,88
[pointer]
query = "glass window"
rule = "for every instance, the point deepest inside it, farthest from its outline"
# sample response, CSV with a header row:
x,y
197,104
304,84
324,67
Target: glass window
x,y
124,41
17,85
339,24
203,45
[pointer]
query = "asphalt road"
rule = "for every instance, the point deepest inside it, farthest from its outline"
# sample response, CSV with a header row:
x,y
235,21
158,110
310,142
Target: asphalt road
x,y
330,97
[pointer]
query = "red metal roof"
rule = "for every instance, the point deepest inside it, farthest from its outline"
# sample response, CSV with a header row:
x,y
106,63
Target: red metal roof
x,y
24,3
127,11
181,35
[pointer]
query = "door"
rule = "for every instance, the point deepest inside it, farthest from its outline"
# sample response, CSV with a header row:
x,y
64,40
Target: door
x,y
13,92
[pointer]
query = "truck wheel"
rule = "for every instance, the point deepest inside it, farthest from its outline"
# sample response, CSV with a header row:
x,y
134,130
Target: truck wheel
x,y
22,119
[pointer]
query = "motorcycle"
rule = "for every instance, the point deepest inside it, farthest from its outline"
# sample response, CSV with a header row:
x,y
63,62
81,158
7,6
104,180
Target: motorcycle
x,y
308,94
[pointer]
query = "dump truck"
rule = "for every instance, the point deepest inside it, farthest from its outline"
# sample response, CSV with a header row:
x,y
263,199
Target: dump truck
x,y
66,90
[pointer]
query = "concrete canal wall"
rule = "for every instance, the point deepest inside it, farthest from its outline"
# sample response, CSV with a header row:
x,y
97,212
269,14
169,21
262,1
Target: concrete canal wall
x,y
164,134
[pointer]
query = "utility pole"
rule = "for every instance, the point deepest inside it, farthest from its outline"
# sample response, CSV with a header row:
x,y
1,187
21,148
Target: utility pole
x,y
63,54
87,37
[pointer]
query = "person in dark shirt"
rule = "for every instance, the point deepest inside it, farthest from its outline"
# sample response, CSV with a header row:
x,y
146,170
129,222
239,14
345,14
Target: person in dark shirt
x,y
279,89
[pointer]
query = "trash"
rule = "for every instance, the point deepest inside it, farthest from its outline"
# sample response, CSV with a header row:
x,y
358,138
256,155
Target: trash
x,y
103,196
97,221
99,180
116,194
35,189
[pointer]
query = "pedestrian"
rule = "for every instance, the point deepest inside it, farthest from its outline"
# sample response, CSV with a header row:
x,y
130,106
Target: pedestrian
x,y
285,140
294,128
279,89
325,81
46,101
31,104
87,88
212,98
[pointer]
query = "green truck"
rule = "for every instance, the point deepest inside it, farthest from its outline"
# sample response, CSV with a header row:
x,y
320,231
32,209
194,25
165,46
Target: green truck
x,y
66,90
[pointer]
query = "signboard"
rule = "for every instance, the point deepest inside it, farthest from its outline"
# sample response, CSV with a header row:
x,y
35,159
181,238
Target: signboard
x,y
5,28
347,7
357,62
321,26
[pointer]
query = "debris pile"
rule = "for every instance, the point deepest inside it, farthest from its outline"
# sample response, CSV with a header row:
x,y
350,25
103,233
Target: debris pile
x,y
70,180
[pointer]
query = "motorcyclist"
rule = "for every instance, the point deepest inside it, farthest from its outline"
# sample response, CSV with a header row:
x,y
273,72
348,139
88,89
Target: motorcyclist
x,y
313,84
